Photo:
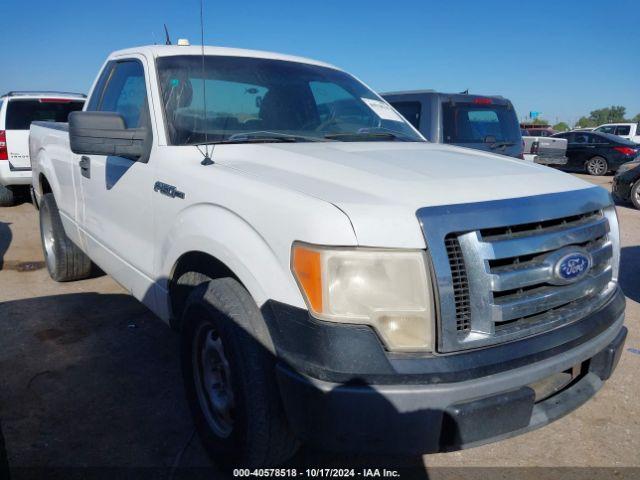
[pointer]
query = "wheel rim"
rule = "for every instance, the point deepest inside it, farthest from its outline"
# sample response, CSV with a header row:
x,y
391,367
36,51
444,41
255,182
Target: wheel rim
x,y
48,239
597,166
636,195
213,381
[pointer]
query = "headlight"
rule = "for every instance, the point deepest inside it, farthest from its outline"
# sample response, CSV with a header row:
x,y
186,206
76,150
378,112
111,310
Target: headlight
x,y
625,167
387,289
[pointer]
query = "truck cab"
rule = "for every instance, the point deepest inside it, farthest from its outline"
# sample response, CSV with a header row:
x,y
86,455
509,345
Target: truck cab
x,y
487,123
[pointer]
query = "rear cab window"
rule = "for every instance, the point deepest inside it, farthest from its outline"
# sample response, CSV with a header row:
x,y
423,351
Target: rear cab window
x,y
21,112
623,130
411,111
479,123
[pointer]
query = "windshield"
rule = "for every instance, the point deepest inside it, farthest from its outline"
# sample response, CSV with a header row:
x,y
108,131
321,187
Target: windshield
x,y
270,100
472,123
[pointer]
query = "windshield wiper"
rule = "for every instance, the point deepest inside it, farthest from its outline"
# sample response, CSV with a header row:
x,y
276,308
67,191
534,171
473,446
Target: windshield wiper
x,y
265,137
346,136
262,137
495,145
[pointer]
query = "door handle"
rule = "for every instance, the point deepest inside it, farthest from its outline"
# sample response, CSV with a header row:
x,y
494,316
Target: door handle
x,y
85,166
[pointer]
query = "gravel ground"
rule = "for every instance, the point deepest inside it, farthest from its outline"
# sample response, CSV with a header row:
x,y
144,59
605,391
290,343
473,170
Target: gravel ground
x,y
90,378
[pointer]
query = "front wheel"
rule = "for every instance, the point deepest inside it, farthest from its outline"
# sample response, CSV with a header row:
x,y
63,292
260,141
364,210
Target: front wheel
x,y
597,166
230,381
635,194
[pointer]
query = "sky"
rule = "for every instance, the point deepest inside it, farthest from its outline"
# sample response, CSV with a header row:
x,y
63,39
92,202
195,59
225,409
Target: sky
x,y
563,58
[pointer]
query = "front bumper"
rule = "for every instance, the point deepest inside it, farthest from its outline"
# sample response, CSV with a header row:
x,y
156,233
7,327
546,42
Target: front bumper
x,y
621,187
415,418
12,176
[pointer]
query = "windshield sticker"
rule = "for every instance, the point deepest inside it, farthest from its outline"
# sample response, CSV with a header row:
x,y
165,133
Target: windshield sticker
x,y
383,110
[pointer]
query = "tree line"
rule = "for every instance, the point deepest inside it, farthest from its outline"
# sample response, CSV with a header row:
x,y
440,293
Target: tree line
x,y
612,114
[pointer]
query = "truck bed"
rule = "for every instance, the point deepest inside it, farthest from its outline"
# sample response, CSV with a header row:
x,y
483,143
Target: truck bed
x,y
550,151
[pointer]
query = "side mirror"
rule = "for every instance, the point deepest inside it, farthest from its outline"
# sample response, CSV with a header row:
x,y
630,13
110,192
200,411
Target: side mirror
x,y
105,133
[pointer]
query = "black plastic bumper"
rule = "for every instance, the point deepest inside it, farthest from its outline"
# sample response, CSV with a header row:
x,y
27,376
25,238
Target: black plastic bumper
x,y
621,189
342,390
413,419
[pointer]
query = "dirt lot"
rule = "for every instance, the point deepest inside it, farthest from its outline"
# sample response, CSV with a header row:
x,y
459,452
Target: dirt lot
x,y
88,377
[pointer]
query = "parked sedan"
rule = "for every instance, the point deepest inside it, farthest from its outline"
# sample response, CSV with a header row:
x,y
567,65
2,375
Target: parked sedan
x,y
597,153
626,183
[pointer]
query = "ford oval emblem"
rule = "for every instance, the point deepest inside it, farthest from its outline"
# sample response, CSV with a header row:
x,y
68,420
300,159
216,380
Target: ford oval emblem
x,y
572,267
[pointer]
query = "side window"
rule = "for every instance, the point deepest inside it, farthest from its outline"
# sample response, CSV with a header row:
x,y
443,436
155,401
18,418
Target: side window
x,y
410,110
126,93
96,95
598,139
580,138
608,129
623,130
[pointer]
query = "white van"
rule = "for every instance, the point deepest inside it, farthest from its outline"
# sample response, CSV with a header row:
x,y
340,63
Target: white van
x,y
17,111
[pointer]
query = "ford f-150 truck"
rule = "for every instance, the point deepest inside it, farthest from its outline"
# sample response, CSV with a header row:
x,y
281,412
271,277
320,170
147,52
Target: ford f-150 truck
x,y
335,278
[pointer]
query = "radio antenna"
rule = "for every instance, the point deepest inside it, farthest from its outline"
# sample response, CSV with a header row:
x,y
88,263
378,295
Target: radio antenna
x,y
207,159
166,35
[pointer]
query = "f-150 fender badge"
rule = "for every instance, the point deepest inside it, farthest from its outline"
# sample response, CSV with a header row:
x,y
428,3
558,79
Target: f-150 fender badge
x,y
168,190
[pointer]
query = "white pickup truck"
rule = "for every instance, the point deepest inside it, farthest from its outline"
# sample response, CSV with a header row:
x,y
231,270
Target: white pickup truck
x,y
545,150
335,278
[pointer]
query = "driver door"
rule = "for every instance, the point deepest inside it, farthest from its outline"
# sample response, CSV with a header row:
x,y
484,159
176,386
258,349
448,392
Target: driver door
x,y
116,192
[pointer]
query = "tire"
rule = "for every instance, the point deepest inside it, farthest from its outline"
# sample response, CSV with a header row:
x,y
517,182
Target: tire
x,y
65,261
240,420
7,196
635,195
596,166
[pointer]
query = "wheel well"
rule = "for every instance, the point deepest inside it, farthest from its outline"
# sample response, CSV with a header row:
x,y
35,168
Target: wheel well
x,y
193,269
44,185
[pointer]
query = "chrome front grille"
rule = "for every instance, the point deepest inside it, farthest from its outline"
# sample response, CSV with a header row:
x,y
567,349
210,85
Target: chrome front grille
x,y
460,284
494,264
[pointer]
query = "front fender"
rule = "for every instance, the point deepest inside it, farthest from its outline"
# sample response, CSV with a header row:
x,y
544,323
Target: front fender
x,y
221,233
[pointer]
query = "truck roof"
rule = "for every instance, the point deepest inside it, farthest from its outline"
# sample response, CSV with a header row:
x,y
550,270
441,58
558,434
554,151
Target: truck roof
x,y
434,92
44,93
173,50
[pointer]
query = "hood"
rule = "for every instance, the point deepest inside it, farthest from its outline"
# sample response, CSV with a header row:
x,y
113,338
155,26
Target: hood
x,y
381,185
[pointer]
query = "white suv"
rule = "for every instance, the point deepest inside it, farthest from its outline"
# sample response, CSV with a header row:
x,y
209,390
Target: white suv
x,y
17,111
630,131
